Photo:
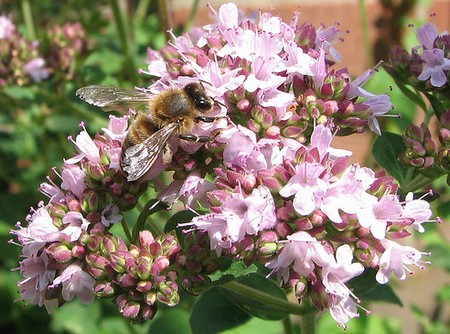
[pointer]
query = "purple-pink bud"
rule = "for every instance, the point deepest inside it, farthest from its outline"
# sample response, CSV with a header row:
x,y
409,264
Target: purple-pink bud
x,y
59,252
126,281
146,239
105,289
243,105
161,264
130,310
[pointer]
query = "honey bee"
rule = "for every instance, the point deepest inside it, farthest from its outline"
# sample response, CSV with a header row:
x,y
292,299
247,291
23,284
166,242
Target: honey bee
x,y
174,111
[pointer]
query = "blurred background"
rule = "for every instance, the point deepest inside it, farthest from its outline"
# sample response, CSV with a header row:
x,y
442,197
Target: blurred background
x,y
60,46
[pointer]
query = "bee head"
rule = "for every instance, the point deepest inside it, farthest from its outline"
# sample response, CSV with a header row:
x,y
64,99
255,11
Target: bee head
x,y
198,96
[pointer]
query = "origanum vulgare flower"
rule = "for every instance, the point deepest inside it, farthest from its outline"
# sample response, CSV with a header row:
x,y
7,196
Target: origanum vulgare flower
x,y
267,188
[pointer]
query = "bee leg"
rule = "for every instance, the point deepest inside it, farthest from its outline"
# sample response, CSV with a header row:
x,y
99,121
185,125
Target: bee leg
x,y
194,138
205,119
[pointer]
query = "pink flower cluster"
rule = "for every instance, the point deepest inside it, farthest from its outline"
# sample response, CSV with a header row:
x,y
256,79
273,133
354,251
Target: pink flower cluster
x,y
428,65
67,248
23,61
274,190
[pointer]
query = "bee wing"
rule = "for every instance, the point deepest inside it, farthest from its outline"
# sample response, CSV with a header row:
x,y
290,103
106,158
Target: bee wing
x,y
138,159
113,98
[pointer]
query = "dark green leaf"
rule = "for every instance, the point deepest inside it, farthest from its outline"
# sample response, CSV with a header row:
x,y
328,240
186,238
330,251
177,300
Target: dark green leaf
x,y
213,313
367,288
76,318
19,93
171,321
179,217
261,286
386,150
230,270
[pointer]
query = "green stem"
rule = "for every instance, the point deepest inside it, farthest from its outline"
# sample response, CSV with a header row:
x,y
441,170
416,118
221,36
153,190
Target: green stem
x,y
365,30
309,323
265,298
141,10
191,18
126,230
28,18
287,325
125,42
150,208
164,16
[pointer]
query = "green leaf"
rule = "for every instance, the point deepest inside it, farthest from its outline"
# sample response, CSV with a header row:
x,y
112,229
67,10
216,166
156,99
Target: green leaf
x,y
171,321
179,217
386,150
254,325
259,307
76,318
108,61
214,312
20,93
367,288
230,270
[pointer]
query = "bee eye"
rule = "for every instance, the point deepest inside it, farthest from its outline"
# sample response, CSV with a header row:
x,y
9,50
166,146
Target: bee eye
x,y
203,104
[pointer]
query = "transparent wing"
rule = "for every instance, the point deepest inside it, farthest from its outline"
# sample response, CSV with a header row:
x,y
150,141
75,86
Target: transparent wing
x,y
113,98
138,159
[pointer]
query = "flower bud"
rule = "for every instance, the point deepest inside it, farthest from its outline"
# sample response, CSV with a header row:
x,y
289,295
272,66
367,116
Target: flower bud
x,y
105,289
168,294
59,252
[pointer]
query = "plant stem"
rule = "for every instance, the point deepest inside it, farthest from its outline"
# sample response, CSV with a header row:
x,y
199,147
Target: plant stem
x,y
141,10
309,323
126,230
191,18
287,325
28,18
164,16
125,41
365,30
265,298
150,208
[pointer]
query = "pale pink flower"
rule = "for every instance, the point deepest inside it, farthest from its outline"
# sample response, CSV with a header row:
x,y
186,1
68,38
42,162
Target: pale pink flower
x,y
73,179
325,39
427,34
256,212
375,214
7,27
304,252
336,273
435,65
74,225
297,61
110,215
87,148
37,277
221,80
36,69
394,260
39,231
223,230
262,75
344,194
343,310
418,210
117,128
241,149
307,188
76,282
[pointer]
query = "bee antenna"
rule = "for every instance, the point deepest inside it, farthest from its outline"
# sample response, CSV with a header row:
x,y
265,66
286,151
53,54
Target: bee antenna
x,y
219,103
205,82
